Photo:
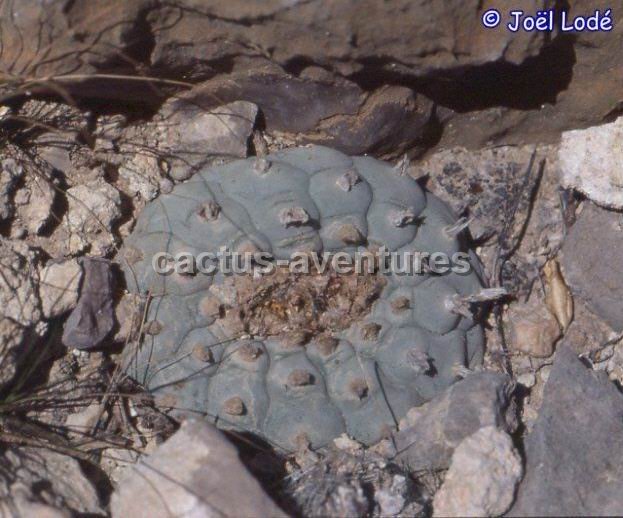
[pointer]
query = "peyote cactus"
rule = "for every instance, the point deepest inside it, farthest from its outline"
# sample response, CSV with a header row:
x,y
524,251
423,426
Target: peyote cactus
x,y
288,356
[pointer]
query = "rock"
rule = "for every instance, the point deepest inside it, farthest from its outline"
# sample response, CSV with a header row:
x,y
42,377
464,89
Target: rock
x,y
389,122
37,198
196,472
116,462
26,191
531,403
20,310
527,379
190,134
29,20
58,287
141,176
83,420
591,161
532,328
20,504
589,274
106,30
574,453
588,332
536,101
11,338
92,319
392,500
41,482
482,478
18,291
429,434
10,173
495,85
185,134
334,112
343,36
92,209
54,148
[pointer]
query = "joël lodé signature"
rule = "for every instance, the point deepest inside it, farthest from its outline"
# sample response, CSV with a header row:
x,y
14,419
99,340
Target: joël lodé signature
x,y
544,21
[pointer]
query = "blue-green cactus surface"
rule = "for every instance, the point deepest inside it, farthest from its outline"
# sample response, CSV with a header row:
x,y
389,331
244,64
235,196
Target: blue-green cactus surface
x,y
401,351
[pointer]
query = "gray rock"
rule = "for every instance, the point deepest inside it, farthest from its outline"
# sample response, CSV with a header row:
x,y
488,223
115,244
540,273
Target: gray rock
x,y
429,434
486,182
575,450
34,202
591,260
195,473
93,317
20,308
482,478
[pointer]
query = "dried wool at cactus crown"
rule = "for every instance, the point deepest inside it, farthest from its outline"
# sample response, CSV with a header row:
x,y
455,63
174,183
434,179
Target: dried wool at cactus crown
x,y
289,356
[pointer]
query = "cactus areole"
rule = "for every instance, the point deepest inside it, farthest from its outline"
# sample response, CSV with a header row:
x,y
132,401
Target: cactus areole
x,y
289,355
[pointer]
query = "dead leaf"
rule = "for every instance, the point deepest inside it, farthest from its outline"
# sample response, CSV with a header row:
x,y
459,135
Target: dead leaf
x,y
558,297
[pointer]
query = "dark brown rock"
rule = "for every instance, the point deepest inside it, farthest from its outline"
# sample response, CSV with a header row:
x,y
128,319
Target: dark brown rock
x,y
326,110
574,82
411,37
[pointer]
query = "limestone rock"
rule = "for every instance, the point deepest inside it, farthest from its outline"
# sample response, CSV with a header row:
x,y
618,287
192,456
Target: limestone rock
x,y
482,478
339,35
11,339
92,209
18,290
48,484
341,114
195,473
592,162
185,134
34,203
190,134
58,287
